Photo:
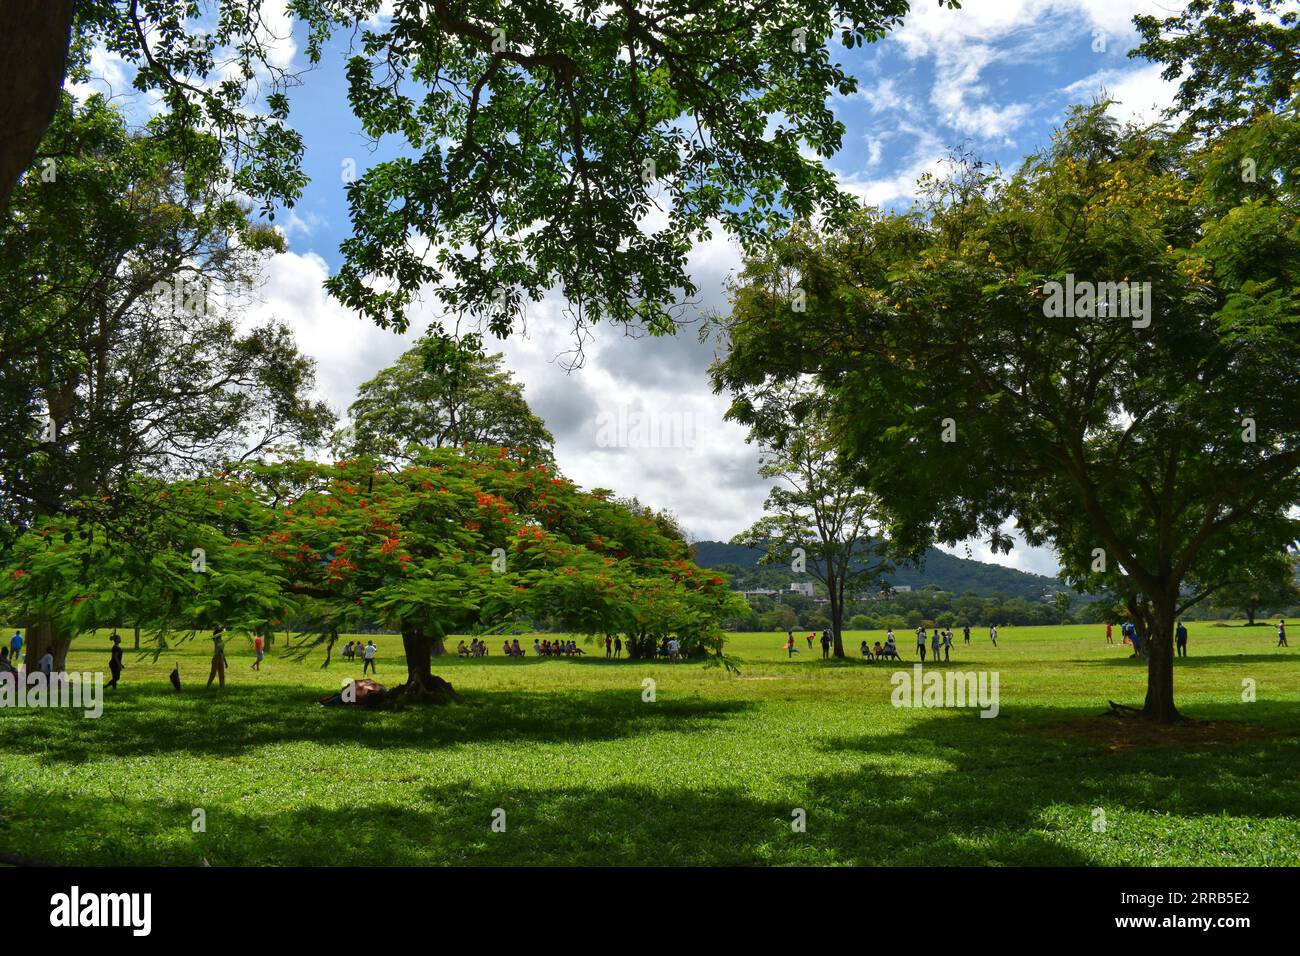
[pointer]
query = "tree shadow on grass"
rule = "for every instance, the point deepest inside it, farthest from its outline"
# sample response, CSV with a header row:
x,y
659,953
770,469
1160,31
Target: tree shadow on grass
x,y
1000,778
144,721
1194,660
453,825
952,789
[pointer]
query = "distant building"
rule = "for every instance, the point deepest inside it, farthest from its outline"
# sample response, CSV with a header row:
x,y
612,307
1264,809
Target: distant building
x,y
802,587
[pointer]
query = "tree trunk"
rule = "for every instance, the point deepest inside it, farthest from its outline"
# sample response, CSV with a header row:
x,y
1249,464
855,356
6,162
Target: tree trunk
x,y
34,41
422,684
137,637
43,636
837,621
1159,645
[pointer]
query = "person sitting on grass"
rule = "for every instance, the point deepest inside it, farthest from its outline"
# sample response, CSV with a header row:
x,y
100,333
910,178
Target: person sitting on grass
x,y
462,650
878,652
866,649
516,650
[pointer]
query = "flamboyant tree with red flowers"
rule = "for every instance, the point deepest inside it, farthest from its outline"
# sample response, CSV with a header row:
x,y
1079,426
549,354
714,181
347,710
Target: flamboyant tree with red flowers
x,y
459,541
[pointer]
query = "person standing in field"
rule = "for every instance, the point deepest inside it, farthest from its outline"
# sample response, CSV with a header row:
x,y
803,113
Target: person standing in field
x,y
810,640
115,660
934,645
789,645
920,642
259,651
369,655
1109,640
609,647
965,633
15,648
218,671
1180,639
618,646
1281,634
826,645
993,634
947,644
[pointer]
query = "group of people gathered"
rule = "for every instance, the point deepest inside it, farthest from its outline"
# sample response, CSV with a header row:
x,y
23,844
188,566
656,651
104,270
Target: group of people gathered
x,y
353,650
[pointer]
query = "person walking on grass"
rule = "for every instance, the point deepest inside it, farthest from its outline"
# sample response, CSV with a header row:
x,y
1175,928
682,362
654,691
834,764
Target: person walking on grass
x,y
1109,640
115,660
218,671
618,647
259,651
826,645
810,640
1281,634
609,647
790,650
965,633
15,648
1180,639
934,645
993,634
920,643
369,655
947,644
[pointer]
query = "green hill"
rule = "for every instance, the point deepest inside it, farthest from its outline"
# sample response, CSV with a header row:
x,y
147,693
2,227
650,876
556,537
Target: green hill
x,y
945,571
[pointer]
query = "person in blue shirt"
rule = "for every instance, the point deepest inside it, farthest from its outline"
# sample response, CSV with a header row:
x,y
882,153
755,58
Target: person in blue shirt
x,y
1180,639
1281,634
15,645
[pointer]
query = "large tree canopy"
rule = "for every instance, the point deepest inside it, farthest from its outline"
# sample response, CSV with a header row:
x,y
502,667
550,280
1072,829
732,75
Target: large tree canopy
x,y
467,541
1101,347
123,348
580,146
441,393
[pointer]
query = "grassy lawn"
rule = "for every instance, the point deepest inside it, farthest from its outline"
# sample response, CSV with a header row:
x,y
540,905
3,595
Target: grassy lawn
x,y
708,773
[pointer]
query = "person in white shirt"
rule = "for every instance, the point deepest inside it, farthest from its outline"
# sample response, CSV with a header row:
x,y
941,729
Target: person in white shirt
x,y
369,664
672,648
993,634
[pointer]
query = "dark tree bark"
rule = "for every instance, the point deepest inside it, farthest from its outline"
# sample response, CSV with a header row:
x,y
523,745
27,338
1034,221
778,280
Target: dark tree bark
x,y
422,685
137,637
34,38
836,591
1159,644
42,636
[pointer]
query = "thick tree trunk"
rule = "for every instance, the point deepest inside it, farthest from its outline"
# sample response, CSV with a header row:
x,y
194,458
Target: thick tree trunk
x,y
33,58
43,636
422,685
1159,645
137,637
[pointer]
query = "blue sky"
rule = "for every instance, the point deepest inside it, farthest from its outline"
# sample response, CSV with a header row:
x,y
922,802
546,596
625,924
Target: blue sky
x,y
996,77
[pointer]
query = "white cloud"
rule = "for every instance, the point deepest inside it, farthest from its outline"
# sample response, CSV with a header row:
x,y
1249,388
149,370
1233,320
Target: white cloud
x,y
1140,93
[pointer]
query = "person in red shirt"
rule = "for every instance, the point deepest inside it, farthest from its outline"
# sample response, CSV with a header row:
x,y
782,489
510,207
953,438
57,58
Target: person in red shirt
x,y
259,648
1108,637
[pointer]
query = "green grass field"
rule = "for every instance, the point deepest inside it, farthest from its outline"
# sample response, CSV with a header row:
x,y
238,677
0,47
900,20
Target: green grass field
x,y
710,772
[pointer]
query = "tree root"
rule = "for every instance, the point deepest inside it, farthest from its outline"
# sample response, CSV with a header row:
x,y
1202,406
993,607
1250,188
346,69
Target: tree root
x,y
433,691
